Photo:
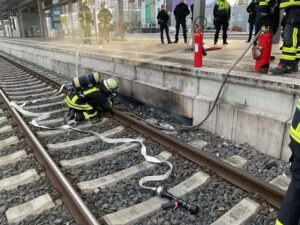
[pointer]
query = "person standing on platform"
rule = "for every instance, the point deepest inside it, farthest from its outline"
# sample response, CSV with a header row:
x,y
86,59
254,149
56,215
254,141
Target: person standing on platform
x,y
86,21
163,19
104,25
221,19
251,9
181,12
291,39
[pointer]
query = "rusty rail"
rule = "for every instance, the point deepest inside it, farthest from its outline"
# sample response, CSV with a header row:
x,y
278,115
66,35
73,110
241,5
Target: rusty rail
x,y
247,182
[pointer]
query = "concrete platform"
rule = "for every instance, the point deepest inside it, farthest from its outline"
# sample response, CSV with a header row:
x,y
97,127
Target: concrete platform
x,y
253,109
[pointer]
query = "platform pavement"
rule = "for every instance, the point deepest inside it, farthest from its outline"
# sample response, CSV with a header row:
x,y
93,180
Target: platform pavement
x,y
148,46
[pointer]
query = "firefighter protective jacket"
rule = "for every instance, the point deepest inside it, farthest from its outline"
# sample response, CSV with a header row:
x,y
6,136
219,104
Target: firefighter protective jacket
x,y
89,99
104,17
222,10
85,16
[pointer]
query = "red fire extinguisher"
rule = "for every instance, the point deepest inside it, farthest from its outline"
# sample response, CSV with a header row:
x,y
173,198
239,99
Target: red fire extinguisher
x,y
198,48
262,52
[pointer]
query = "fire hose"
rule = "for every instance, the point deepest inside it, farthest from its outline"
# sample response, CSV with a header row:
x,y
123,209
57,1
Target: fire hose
x,y
197,126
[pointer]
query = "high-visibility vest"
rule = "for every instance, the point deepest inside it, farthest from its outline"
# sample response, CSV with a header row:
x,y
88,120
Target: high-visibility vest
x,y
295,127
289,3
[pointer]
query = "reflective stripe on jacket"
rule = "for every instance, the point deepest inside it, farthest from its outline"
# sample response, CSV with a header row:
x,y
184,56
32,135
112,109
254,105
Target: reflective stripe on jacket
x,y
295,127
289,3
263,2
77,101
278,222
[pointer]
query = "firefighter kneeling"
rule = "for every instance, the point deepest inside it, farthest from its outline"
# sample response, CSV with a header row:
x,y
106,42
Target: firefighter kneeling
x,y
87,100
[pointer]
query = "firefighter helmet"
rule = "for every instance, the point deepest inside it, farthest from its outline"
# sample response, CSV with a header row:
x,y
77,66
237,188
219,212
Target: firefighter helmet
x,y
84,1
110,84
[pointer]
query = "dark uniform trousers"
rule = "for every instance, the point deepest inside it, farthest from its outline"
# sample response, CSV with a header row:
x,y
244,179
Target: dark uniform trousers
x,y
224,24
251,27
181,22
289,212
291,38
164,27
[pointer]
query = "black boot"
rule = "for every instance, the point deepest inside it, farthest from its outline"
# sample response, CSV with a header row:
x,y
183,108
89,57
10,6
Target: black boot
x,y
282,69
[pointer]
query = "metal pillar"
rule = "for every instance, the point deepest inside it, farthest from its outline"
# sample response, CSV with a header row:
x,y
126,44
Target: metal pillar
x,y
121,19
11,33
95,23
3,25
42,18
71,17
199,11
21,23
276,37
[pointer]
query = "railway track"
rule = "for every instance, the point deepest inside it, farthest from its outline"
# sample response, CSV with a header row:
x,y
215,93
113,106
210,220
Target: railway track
x,y
98,181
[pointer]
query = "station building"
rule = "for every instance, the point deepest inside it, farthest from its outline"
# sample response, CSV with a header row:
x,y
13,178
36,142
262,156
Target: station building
x,y
59,18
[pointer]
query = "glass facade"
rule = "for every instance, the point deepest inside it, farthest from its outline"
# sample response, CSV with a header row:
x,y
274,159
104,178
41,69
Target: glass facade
x,y
139,16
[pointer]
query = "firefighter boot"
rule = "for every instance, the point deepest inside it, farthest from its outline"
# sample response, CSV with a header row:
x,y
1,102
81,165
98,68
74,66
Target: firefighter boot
x,y
282,69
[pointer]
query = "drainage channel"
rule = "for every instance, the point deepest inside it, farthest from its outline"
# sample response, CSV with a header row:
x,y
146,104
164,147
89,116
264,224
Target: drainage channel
x,y
169,145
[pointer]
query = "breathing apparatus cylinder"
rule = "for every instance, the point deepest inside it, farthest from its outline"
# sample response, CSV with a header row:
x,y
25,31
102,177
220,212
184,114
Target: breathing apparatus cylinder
x,y
86,80
262,53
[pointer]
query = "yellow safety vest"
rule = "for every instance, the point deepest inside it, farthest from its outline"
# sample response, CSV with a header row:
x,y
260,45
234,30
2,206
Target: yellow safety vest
x,y
295,127
289,3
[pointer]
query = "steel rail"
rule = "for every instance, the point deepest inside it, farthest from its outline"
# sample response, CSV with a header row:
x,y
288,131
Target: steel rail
x,y
251,184
78,209
247,182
